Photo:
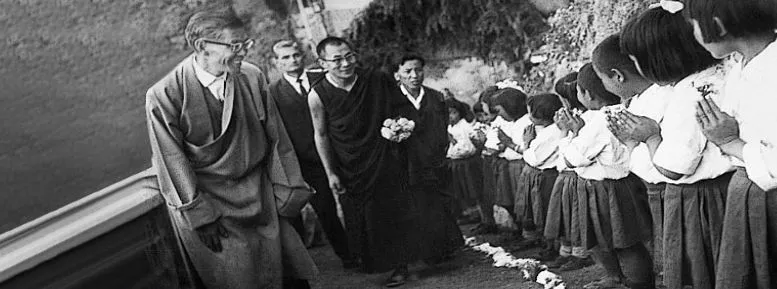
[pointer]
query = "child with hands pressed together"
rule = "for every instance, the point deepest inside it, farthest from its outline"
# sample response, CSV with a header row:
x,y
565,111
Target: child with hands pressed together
x,y
743,126
564,217
464,159
539,145
617,217
486,197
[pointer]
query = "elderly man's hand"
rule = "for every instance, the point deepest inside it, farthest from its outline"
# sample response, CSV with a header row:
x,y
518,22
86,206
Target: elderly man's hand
x,y
211,234
335,184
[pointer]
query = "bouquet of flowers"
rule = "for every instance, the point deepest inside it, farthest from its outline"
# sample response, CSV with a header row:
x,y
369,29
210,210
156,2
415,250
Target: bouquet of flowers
x,y
397,129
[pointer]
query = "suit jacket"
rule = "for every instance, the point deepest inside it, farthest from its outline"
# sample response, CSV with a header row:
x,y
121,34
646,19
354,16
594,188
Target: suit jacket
x,y
296,117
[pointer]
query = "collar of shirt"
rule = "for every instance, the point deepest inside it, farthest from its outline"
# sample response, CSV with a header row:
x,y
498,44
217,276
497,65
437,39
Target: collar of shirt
x,y
215,84
762,64
293,81
416,101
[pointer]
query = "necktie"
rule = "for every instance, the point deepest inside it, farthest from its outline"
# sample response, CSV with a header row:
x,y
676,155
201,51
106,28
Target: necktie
x,y
302,89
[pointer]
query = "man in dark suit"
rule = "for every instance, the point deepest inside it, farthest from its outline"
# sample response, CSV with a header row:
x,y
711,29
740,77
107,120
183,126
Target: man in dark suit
x,y
290,93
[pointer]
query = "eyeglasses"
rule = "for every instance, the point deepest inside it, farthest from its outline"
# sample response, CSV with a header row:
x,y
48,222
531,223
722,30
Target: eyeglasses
x,y
235,47
350,57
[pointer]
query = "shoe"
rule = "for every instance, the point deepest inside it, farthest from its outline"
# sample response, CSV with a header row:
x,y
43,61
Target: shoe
x,y
547,255
561,260
576,263
398,278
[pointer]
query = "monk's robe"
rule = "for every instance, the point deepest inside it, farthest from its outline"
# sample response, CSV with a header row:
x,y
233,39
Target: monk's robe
x,y
226,163
439,234
380,212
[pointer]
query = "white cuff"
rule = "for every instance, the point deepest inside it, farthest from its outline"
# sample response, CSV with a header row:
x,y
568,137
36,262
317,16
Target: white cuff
x,y
756,167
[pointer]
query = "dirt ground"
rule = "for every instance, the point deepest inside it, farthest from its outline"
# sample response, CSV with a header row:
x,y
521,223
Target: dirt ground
x,y
469,269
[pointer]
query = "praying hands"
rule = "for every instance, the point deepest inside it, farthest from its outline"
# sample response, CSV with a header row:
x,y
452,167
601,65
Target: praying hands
x,y
630,128
719,127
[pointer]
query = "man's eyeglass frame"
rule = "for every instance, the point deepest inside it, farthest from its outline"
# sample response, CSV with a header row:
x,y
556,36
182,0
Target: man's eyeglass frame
x,y
350,57
235,47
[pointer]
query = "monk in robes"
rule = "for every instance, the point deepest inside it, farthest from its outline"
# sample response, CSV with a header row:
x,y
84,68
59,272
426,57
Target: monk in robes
x,y
225,166
369,172
439,236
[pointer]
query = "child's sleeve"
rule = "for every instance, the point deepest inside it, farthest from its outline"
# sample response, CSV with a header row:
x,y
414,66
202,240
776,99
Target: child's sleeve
x,y
683,141
590,141
761,164
542,148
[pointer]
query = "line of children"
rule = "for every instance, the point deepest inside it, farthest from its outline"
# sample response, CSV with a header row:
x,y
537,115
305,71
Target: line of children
x,y
661,45
685,128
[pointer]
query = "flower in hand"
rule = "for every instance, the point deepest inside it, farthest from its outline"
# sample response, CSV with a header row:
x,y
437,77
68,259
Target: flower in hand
x,y
719,127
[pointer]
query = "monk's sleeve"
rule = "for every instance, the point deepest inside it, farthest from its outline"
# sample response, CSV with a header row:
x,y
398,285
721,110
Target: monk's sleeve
x,y
177,181
284,169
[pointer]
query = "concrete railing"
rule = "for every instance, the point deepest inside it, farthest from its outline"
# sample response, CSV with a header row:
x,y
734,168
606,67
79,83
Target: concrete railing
x,y
55,233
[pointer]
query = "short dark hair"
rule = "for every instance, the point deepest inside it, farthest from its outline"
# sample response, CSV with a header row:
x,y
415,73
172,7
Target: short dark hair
x,y
512,100
544,105
741,18
486,96
566,87
330,41
461,107
478,107
409,57
590,82
664,45
209,21
608,55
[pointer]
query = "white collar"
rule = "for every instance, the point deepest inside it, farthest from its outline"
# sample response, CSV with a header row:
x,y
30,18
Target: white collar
x,y
293,80
761,62
206,78
416,101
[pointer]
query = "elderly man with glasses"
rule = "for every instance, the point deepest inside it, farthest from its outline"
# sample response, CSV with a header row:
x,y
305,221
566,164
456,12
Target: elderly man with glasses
x,y
225,165
349,107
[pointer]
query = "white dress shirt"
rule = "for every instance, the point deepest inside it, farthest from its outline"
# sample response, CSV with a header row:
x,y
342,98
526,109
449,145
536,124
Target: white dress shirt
x,y
595,153
542,152
216,84
416,101
750,98
684,148
293,81
464,147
